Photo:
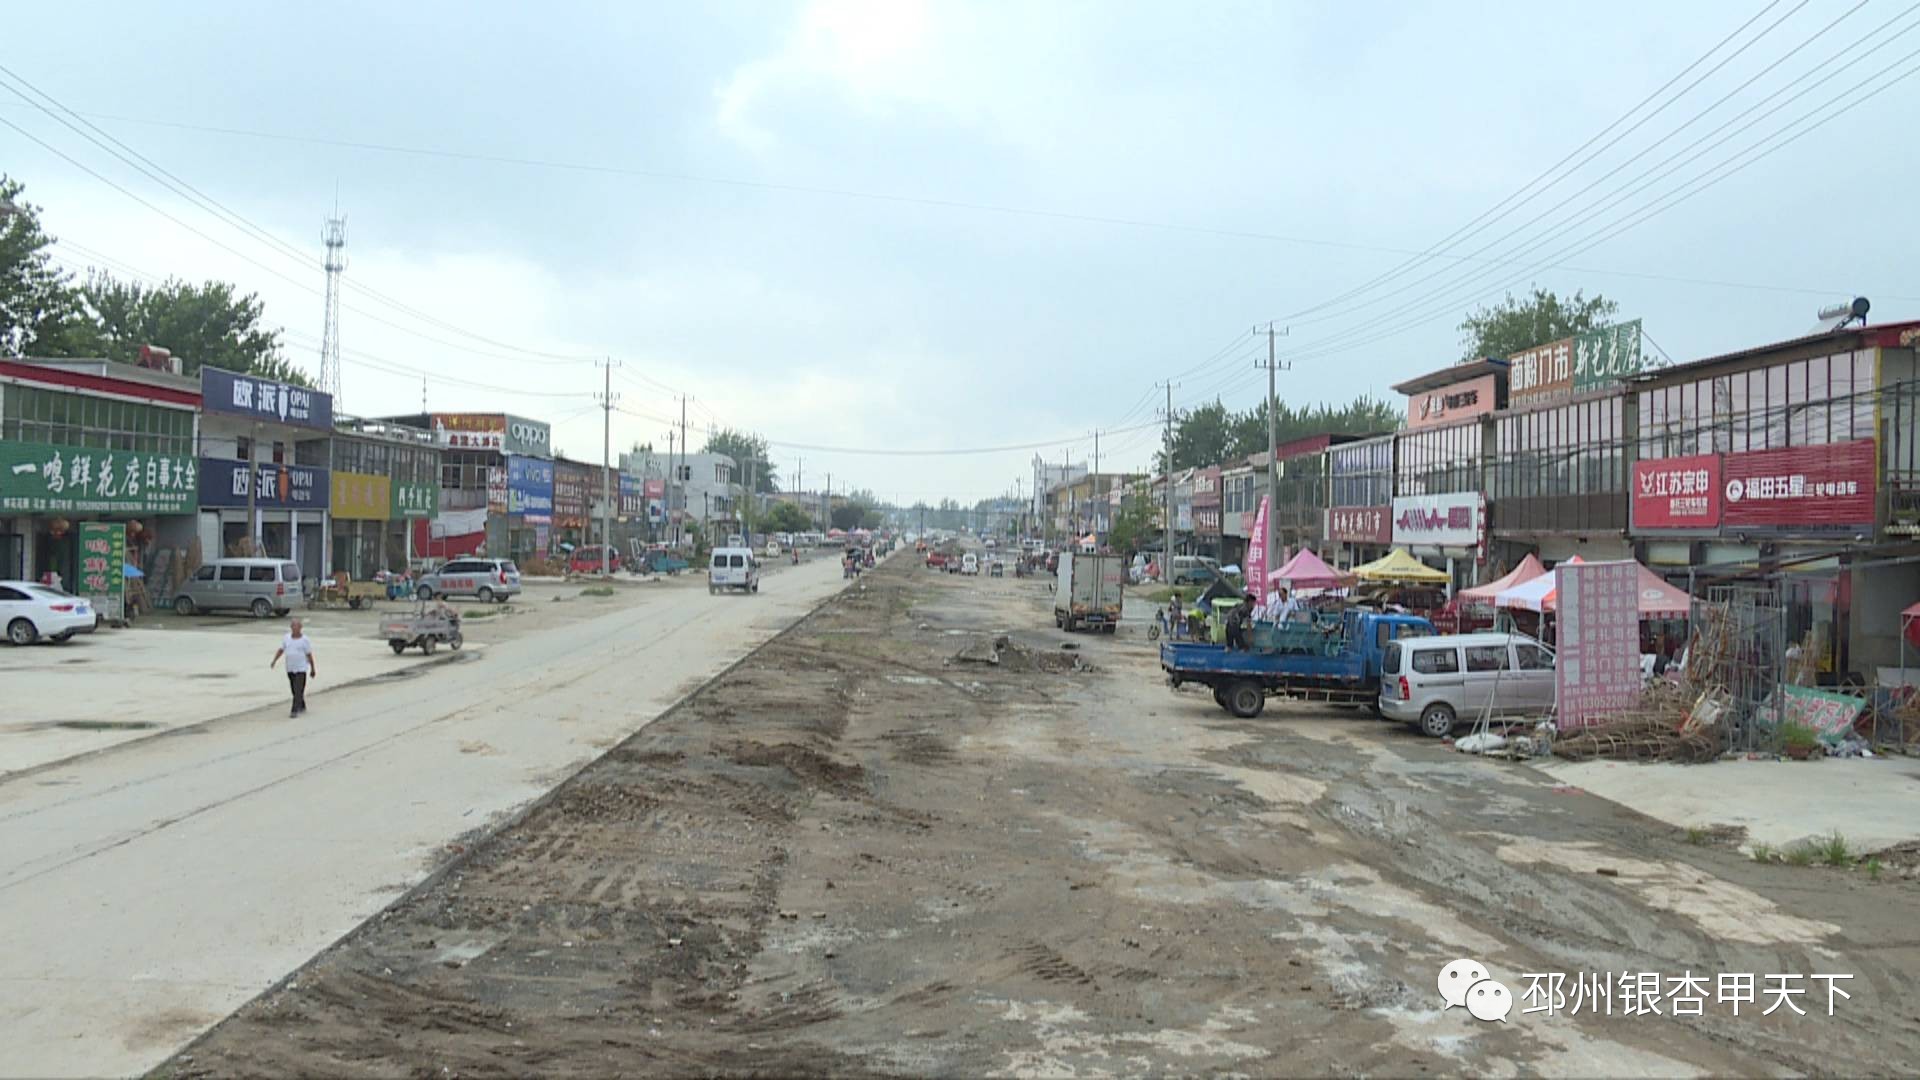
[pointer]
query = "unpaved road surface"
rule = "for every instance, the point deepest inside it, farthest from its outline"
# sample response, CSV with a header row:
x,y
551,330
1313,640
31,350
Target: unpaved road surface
x,y
855,854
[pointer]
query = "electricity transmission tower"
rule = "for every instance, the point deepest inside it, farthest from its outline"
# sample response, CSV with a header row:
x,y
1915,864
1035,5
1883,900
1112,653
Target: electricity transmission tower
x,y
335,237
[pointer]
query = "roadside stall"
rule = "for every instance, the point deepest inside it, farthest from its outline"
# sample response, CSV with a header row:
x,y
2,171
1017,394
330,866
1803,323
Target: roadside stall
x,y
1657,601
1473,609
1398,580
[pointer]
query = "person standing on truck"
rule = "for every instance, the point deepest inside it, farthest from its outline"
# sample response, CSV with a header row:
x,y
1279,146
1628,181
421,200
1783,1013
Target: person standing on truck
x,y
1237,628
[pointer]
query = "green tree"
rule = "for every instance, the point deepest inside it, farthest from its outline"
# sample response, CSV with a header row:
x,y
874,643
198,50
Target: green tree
x,y
1200,438
786,517
750,452
872,518
41,312
1132,526
846,516
209,324
1362,416
1514,325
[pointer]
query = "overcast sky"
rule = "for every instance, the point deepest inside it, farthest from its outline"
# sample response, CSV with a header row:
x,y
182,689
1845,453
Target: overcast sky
x,y
927,226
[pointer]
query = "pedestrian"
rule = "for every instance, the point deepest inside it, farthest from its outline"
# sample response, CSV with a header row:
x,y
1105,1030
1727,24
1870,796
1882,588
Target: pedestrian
x,y
1237,628
298,649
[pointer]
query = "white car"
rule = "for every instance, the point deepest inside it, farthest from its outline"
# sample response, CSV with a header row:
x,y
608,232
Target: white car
x,y
733,568
30,611
970,563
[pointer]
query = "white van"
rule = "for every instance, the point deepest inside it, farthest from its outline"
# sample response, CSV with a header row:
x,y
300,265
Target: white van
x,y
733,568
1437,682
970,563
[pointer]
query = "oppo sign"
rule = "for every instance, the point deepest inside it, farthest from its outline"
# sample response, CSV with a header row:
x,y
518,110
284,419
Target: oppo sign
x,y
527,437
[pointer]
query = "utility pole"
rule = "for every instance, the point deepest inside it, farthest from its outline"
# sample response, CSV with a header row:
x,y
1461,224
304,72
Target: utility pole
x,y
673,477
607,399
826,505
1093,482
1166,554
1273,449
683,454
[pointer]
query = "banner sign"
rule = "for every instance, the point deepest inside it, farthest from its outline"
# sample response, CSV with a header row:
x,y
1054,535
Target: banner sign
x,y
1596,670
1605,356
529,437
633,502
1256,557
496,490
1453,520
530,489
1829,714
470,431
253,398
1361,524
276,487
361,497
1206,488
1183,517
1542,373
414,500
1802,486
1677,493
103,568
1474,397
569,496
37,478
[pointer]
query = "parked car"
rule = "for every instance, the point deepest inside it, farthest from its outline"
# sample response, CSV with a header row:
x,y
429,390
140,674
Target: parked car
x,y
1194,570
486,580
30,611
733,568
586,559
261,586
1438,682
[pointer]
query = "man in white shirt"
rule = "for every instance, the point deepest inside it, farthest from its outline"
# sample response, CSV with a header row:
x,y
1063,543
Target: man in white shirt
x,y
298,649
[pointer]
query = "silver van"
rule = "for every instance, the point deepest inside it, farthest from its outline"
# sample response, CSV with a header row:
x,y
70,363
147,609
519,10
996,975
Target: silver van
x,y
1437,682
261,586
486,580
733,568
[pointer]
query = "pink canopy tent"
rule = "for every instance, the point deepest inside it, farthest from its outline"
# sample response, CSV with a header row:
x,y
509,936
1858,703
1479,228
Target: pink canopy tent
x,y
1528,569
1658,600
1308,571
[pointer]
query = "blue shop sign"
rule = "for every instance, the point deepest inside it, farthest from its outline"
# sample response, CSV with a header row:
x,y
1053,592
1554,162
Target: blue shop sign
x,y
530,487
276,487
252,398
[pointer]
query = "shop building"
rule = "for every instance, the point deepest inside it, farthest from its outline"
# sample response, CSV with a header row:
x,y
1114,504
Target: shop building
x,y
1765,465
1207,533
265,480
1304,490
475,515
1360,494
1242,484
93,441
386,478
572,480
1439,503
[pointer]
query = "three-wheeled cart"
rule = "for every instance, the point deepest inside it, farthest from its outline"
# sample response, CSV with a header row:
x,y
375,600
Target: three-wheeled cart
x,y
426,627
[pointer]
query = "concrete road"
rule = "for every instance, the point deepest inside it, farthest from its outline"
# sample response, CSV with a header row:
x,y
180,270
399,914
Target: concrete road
x,y
147,891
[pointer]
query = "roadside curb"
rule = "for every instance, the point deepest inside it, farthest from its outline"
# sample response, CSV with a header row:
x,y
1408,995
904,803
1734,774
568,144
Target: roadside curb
x,y
471,842
181,729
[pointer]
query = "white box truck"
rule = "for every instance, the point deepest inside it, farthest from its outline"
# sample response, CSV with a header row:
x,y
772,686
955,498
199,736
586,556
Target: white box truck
x,y
1088,591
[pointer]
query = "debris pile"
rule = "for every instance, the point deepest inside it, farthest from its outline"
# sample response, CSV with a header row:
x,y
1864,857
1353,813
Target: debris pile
x,y
1640,737
1002,651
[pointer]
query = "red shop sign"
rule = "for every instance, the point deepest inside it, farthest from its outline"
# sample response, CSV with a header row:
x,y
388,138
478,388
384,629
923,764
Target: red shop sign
x,y
1677,493
1801,485
1361,524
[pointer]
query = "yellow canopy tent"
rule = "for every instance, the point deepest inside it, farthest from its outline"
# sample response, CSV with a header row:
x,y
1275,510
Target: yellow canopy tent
x,y
1400,565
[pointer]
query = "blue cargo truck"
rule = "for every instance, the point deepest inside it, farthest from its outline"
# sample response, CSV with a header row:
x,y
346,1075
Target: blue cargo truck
x,y
1331,657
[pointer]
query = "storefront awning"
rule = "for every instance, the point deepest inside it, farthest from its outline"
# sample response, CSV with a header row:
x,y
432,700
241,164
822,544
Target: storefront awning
x,y
1528,569
1400,565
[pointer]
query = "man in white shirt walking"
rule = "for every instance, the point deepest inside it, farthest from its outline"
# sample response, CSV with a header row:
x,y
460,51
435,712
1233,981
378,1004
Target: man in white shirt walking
x,y
298,649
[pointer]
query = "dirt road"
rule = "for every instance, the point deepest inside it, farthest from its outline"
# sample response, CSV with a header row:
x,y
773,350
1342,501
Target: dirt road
x,y
858,854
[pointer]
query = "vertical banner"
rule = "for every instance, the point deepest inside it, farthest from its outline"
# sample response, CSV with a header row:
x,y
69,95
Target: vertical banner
x,y
103,564
1257,557
1596,671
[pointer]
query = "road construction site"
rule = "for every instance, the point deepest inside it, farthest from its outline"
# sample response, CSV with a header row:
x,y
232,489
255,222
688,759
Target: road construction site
x,y
922,831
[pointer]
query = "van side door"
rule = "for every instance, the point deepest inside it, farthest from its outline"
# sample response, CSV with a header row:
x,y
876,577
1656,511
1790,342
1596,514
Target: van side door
x,y
1490,679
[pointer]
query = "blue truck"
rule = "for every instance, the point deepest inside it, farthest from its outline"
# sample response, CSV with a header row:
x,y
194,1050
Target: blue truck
x,y
1331,657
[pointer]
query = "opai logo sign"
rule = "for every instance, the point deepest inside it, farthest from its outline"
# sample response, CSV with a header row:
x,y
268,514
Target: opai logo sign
x,y
1465,983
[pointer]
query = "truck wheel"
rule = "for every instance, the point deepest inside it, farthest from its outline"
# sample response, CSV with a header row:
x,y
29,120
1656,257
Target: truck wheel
x,y
1245,699
1072,624
1113,628
1220,696
1437,721
397,645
